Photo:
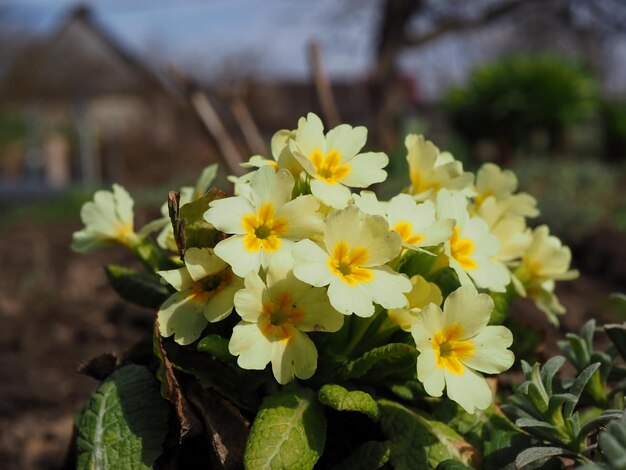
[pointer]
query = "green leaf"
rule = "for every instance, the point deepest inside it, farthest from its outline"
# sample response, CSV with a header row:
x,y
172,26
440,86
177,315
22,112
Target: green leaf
x,y
534,454
288,433
124,424
370,455
549,370
380,362
579,385
617,335
342,399
217,346
613,443
502,449
142,289
618,304
198,232
452,465
418,440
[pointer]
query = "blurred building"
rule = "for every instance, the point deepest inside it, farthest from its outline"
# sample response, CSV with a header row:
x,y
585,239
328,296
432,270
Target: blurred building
x,y
78,107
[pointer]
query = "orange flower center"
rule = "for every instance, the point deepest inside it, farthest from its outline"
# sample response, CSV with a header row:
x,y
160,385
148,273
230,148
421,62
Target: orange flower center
x,y
450,350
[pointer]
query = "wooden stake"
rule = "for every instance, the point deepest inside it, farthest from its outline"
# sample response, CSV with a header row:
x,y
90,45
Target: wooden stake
x,y
211,120
323,87
248,127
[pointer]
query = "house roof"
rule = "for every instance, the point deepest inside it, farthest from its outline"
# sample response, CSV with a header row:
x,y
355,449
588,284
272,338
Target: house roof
x,y
81,58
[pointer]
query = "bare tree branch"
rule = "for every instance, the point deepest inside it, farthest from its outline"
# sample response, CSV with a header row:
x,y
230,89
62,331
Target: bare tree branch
x,y
454,24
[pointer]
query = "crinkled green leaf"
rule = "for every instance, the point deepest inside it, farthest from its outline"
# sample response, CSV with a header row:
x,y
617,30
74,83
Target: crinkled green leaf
x,y
139,288
380,362
288,433
418,440
124,423
407,390
370,455
342,399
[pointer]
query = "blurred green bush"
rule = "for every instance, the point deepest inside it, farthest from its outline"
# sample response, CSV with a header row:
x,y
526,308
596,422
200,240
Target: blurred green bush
x,y
574,196
509,102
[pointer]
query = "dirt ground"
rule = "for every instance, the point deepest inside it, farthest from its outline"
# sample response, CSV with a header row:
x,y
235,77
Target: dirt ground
x,y
56,310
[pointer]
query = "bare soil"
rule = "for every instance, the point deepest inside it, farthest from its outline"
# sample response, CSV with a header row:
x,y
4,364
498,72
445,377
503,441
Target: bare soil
x,y
56,311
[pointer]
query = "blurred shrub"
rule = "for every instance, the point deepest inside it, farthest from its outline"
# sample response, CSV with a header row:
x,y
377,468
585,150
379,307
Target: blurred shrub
x,y
613,122
573,196
509,101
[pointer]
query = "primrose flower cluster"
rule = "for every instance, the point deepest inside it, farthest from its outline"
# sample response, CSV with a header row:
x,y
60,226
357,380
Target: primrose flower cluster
x,y
307,250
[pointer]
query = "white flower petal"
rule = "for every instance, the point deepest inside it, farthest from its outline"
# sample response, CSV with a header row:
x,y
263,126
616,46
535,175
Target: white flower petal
x,y
491,354
490,274
366,169
253,348
296,356
335,195
466,307
303,219
179,279
242,261
226,214
347,140
310,135
387,287
350,299
469,389
249,301
221,304
271,187
431,376
429,321
320,315
311,264
182,315
202,262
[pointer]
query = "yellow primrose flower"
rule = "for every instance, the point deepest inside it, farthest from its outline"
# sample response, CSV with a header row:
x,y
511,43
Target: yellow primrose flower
x,y
431,170
456,344
265,223
545,261
333,160
492,181
471,249
206,287
416,224
422,294
108,219
282,158
351,262
276,315
511,230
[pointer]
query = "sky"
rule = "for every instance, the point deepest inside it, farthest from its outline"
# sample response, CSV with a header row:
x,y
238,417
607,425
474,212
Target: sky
x,y
269,35
268,38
